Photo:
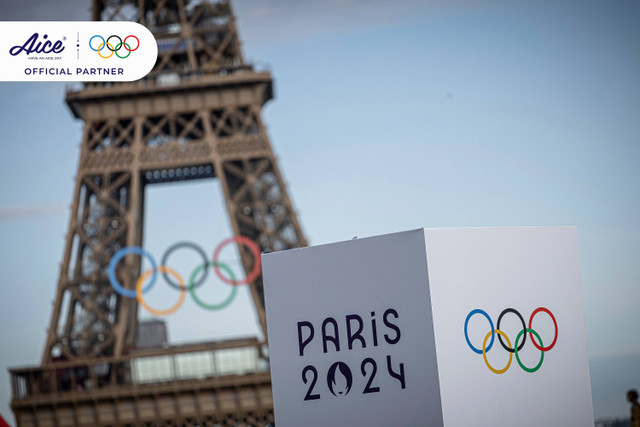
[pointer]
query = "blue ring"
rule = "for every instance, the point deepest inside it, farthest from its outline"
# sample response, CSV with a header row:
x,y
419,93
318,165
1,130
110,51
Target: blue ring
x,y
104,43
466,335
131,293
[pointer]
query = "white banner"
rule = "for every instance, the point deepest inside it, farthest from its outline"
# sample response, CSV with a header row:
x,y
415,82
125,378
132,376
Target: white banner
x,y
75,51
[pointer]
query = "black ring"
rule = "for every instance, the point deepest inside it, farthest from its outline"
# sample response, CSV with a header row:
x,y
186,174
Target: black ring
x,y
524,326
114,50
193,246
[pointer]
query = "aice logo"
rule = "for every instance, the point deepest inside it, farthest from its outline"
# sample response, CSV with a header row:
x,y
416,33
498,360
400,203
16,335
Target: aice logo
x,y
33,45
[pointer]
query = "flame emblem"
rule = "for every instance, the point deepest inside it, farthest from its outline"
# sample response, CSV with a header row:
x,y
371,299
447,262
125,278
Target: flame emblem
x,y
339,379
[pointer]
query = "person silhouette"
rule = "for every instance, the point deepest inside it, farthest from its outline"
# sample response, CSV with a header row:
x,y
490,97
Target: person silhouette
x,y
632,397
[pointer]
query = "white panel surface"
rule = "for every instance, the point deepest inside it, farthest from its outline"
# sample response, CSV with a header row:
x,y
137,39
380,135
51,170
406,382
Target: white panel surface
x,y
356,277
425,284
493,269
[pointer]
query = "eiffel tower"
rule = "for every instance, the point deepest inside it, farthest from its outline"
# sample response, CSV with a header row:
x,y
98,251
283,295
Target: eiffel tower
x,y
196,115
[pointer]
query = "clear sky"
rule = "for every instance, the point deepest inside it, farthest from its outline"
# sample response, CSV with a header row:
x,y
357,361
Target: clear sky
x,y
388,116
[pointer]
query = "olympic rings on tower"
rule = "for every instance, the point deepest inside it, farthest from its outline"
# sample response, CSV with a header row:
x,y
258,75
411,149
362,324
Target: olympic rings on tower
x,y
197,277
518,343
114,48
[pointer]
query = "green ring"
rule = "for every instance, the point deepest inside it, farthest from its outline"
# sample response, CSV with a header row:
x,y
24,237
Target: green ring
x,y
192,291
115,49
530,370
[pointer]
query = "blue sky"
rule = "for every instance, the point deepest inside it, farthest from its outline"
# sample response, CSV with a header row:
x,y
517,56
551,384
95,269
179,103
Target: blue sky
x,y
388,116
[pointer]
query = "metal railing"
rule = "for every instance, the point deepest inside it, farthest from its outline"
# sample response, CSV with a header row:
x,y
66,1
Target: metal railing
x,y
171,77
151,366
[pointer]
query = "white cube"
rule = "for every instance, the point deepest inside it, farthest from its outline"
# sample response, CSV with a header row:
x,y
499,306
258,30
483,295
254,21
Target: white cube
x,y
418,329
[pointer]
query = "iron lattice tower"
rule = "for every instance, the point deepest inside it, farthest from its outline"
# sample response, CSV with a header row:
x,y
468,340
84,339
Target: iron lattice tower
x,y
196,115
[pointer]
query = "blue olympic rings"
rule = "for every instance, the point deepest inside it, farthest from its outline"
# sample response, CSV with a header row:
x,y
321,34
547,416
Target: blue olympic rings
x,y
466,335
101,46
130,293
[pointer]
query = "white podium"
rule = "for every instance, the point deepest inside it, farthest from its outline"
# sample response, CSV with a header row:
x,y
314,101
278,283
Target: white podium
x,y
430,327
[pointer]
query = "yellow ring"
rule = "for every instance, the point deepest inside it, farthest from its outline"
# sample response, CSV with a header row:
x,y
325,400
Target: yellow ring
x,y
100,48
484,352
183,292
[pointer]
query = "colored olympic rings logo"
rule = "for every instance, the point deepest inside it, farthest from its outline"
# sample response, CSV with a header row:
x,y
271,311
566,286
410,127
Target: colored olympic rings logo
x,y
113,47
517,345
174,280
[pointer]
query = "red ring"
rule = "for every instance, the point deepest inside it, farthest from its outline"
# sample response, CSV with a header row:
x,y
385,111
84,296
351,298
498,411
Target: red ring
x,y
554,324
125,40
255,251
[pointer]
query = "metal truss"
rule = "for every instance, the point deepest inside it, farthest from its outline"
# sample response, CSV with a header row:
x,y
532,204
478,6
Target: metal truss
x,y
197,115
